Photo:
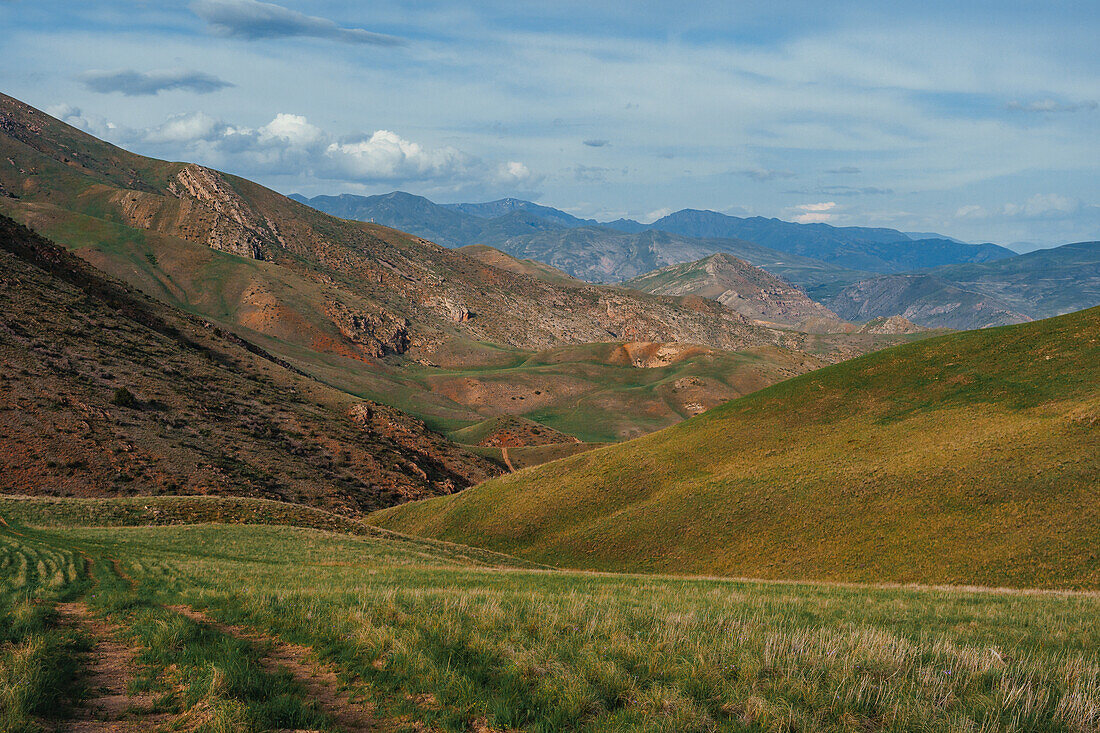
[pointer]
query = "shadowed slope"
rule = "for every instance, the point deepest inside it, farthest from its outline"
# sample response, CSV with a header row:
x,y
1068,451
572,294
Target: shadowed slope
x,y
970,458
104,391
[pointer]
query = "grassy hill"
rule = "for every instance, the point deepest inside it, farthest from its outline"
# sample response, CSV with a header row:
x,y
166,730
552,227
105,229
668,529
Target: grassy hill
x,y
222,624
968,458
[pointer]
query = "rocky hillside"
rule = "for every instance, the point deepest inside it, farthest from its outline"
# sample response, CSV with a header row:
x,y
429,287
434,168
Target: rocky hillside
x,y
376,291
925,299
105,391
752,292
376,312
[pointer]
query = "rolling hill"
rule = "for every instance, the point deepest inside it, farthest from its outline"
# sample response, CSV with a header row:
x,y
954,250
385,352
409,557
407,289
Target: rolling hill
x,y
751,291
1039,284
107,392
970,458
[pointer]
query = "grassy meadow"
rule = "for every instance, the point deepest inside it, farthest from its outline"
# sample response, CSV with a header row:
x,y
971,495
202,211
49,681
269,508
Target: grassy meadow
x,y
972,458
436,640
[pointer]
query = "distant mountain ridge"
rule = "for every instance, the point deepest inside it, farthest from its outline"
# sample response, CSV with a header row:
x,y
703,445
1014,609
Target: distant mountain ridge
x,y
1038,284
505,222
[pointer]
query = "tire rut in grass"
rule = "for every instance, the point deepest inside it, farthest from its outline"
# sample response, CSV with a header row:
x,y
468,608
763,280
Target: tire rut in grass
x,y
108,672
319,682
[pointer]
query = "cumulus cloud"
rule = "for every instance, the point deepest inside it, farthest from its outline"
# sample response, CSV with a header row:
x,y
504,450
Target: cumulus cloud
x,y
187,128
1051,105
253,20
597,143
764,174
816,213
657,214
513,172
386,156
136,83
76,117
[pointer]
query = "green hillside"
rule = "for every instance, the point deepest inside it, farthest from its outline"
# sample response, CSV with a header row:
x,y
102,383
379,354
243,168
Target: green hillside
x,y
209,616
970,458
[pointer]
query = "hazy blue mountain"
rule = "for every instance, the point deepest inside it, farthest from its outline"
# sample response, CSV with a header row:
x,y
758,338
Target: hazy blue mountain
x,y
505,222
598,254
417,215
1039,284
858,248
933,235
503,207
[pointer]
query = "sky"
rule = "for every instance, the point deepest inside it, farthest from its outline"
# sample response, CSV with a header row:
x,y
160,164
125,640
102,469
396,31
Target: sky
x,y
979,120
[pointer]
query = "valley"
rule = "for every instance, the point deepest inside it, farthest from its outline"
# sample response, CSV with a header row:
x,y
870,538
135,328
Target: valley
x,y
549,367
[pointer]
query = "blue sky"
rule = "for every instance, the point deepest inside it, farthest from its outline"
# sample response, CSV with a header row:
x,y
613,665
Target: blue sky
x,y
979,120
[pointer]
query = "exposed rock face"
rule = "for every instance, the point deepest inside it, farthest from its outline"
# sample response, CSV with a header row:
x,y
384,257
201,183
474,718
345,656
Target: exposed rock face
x,y
235,226
758,295
891,325
380,332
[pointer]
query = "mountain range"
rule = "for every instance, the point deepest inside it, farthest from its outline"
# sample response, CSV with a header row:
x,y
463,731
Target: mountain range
x,y
504,223
390,316
859,272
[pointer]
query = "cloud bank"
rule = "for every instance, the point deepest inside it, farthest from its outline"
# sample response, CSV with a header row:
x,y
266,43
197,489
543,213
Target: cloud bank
x,y
253,20
136,83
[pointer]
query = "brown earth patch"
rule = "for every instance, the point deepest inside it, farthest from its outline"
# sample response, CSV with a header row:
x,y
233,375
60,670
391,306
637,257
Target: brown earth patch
x,y
108,672
319,681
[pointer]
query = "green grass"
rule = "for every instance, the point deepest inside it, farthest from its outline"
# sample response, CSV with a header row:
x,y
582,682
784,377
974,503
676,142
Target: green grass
x,y
37,655
432,639
972,458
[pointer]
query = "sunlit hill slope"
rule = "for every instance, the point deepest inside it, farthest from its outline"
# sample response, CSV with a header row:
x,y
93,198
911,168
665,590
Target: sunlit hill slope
x,y
970,458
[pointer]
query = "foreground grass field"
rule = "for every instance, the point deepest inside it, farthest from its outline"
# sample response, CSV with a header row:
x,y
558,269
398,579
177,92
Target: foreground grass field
x,y
431,640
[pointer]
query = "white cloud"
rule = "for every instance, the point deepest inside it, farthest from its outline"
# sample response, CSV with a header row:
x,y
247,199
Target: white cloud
x,y
1044,205
293,129
513,172
656,214
386,156
187,128
971,211
819,213
76,117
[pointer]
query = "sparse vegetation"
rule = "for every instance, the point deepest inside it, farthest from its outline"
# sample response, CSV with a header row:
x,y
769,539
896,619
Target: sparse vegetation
x,y
123,397
435,641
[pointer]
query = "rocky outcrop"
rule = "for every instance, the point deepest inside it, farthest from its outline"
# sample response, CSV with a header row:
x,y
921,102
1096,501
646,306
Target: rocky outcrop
x,y
208,201
891,325
754,293
379,332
